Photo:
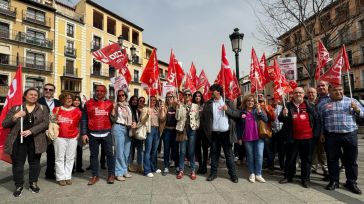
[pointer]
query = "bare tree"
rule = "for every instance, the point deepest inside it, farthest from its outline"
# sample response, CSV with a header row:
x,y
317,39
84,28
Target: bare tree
x,y
281,19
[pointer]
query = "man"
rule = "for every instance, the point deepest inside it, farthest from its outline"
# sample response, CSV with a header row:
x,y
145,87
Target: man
x,y
50,102
311,94
322,91
277,140
220,130
300,126
340,130
96,129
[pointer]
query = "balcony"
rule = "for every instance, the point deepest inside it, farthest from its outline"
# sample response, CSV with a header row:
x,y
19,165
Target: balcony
x,y
70,52
13,61
46,22
95,46
99,72
7,10
70,71
25,38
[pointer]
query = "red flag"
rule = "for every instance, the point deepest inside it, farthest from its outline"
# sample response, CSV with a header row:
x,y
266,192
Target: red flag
x,y
323,57
333,75
14,98
191,79
280,85
263,67
113,56
203,83
150,75
255,73
227,79
175,72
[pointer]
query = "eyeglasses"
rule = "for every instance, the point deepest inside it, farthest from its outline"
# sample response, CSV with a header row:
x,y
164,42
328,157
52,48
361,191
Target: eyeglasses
x,y
187,94
46,89
141,101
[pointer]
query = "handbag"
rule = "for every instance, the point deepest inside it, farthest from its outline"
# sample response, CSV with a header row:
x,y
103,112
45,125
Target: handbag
x,y
53,128
141,132
264,130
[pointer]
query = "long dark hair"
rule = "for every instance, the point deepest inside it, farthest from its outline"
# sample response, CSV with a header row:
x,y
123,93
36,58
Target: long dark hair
x,y
78,98
194,98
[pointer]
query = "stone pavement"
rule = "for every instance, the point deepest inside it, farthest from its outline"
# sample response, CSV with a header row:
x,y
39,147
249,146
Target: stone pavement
x,y
160,189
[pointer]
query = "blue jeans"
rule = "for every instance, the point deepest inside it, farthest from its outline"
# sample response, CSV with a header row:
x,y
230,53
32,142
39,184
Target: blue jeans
x,y
122,148
191,135
138,144
106,144
150,152
169,144
254,155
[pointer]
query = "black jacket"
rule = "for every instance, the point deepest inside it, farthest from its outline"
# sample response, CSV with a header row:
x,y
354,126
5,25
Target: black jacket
x,y
42,101
287,128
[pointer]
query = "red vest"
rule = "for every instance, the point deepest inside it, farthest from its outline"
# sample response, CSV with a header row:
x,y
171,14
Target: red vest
x,y
68,122
99,114
301,124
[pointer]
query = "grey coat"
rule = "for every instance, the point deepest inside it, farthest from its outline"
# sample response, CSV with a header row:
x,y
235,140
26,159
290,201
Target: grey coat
x,y
207,120
41,122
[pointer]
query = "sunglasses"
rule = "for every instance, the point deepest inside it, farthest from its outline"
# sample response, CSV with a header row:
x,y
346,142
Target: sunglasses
x,y
121,95
45,89
187,94
141,101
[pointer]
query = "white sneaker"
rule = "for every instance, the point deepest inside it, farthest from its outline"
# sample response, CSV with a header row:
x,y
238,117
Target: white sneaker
x,y
172,164
166,170
158,171
252,178
150,175
260,179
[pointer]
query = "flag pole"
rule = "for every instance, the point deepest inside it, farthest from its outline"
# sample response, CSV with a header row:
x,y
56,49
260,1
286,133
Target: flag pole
x,y
351,93
21,124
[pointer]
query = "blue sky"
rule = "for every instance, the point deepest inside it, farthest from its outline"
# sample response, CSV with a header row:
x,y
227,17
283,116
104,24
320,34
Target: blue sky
x,y
195,29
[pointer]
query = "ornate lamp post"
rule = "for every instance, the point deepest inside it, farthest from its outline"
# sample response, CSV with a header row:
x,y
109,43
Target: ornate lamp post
x,y
132,49
236,44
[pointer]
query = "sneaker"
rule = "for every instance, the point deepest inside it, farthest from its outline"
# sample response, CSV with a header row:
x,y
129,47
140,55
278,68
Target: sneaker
x,y
150,175
236,159
120,178
165,172
127,175
158,171
18,191
252,178
173,164
62,182
34,187
260,179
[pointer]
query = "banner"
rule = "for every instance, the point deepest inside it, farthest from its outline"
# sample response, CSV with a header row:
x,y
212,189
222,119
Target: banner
x,y
288,66
166,87
119,83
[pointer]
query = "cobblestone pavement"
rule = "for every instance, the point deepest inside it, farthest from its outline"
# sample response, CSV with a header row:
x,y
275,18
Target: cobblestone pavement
x,y
167,189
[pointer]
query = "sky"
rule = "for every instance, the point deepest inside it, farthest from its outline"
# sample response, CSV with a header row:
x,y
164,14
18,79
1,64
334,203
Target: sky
x,y
195,29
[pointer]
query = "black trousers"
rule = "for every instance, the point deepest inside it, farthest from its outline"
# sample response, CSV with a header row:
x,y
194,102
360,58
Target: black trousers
x,y
202,148
301,148
20,153
50,171
219,139
348,142
106,144
274,145
79,152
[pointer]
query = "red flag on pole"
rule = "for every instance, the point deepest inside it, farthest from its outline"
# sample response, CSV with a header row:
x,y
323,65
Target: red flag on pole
x,y
191,79
227,79
255,73
150,75
113,56
323,57
175,72
14,98
203,83
263,67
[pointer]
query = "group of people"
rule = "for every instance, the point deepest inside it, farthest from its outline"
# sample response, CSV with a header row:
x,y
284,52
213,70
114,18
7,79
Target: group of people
x,y
318,126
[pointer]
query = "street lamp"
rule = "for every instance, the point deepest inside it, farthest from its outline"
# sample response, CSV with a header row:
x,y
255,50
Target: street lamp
x,y
120,41
132,49
236,44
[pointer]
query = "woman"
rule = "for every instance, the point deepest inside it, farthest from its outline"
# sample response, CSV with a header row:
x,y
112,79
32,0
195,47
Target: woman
x,y
168,127
35,124
79,151
153,137
247,130
138,144
201,140
68,118
188,121
122,119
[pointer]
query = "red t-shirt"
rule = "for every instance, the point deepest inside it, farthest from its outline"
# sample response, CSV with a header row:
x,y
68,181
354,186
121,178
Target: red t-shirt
x,y
301,123
68,121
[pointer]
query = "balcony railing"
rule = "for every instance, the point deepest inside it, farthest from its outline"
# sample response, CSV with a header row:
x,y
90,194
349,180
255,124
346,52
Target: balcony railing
x,y
25,38
70,52
7,10
11,60
70,71
45,22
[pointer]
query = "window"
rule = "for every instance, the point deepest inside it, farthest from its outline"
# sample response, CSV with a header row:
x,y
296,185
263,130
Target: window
x,y
125,32
111,26
96,68
325,22
35,15
71,85
298,37
136,76
4,5
350,56
70,67
135,37
34,82
3,80
111,71
342,12
35,37
35,60
96,43
4,58
148,53
161,74
4,30
136,92
98,19
70,30
111,93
